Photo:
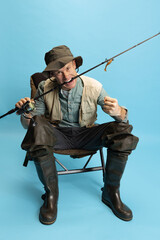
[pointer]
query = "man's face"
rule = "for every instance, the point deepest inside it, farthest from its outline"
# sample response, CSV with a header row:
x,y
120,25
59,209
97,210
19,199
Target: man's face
x,y
65,74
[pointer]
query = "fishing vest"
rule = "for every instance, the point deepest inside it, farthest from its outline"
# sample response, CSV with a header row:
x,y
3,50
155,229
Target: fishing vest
x,y
88,107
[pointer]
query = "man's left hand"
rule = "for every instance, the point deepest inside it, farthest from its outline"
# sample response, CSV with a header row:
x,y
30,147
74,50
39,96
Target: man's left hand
x,y
112,108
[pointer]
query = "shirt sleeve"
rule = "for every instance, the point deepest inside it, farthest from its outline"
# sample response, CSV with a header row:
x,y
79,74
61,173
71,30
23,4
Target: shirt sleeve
x,y
102,94
40,107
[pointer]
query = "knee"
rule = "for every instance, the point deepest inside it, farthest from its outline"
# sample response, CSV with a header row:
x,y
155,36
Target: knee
x,y
39,134
115,128
43,131
123,143
122,127
118,137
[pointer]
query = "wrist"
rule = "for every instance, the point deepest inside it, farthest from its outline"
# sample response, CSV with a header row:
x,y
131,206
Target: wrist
x,y
121,114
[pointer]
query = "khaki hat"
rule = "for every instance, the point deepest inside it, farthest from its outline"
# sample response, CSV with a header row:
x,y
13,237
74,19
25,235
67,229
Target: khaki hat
x,y
58,57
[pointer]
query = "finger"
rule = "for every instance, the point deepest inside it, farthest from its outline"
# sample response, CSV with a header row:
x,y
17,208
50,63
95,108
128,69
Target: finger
x,y
109,99
32,100
21,102
17,105
109,104
27,99
107,108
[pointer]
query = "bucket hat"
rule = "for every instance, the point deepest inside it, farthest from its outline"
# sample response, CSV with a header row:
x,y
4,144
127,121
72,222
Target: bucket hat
x,y
58,57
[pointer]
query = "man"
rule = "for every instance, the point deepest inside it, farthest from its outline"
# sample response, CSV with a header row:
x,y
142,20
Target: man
x,y
64,119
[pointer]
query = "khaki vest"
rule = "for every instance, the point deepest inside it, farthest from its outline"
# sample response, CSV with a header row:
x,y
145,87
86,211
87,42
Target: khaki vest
x,y
88,108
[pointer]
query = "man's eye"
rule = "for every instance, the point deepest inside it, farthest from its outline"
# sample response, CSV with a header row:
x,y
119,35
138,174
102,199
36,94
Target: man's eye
x,y
58,73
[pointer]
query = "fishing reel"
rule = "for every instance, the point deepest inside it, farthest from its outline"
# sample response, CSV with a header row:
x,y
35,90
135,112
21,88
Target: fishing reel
x,y
27,107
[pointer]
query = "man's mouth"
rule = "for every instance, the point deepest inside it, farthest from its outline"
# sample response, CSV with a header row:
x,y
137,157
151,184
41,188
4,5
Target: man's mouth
x,y
69,81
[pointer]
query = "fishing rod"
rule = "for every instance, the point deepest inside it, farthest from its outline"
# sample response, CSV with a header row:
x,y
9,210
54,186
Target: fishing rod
x,y
28,106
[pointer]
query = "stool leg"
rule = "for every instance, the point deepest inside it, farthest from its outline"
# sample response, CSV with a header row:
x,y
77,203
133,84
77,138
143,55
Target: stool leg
x,y
102,162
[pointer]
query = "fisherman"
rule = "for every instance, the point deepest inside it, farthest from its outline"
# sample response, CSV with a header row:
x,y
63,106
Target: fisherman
x,y
65,119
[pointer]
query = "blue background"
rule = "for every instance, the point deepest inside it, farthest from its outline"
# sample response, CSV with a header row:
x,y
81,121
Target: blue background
x,y
95,30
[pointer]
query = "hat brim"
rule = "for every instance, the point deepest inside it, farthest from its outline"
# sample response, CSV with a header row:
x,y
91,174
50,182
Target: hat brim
x,y
61,62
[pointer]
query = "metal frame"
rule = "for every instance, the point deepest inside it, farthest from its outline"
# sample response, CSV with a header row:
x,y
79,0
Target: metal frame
x,y
83,169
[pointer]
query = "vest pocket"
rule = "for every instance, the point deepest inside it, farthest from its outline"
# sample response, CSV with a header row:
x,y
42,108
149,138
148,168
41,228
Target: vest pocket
x,y
89,113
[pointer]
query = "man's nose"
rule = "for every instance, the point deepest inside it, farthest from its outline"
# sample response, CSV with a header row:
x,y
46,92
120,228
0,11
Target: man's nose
x,y
65,75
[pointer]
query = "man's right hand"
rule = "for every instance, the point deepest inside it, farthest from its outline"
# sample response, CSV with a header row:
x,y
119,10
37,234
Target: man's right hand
x,y
20,103
25,121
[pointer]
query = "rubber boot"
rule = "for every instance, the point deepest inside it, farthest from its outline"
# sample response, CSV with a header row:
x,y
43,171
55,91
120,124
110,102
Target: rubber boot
x,y
111,195
47,173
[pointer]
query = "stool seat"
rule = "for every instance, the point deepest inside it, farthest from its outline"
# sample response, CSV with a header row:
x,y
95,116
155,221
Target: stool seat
x,y
75,153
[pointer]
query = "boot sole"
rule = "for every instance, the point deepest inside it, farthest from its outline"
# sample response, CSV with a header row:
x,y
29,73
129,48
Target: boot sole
x,y
45,222
109,205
